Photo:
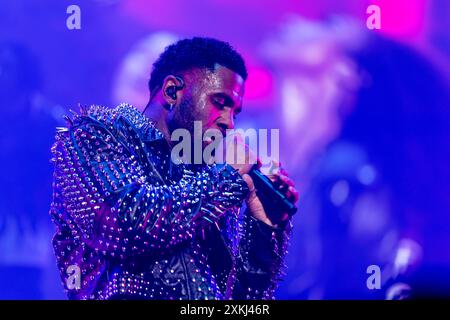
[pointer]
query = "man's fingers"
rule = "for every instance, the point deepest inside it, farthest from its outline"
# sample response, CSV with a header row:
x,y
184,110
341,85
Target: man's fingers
x,y
287,187
250,183
286,180
293,194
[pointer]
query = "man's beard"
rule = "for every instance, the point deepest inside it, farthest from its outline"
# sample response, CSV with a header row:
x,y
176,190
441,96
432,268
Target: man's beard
x,y
184,116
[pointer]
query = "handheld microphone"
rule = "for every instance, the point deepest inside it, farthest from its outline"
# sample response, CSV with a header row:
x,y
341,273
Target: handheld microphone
x,y
271,198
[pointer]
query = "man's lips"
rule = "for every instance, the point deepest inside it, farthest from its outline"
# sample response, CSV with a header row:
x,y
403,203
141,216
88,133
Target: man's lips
x,y
222,128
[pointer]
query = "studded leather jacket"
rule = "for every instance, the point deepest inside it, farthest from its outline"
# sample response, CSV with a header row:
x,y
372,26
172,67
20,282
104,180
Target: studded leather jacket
x,y
131,224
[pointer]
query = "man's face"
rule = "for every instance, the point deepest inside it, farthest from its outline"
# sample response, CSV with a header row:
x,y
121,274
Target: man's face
x,y
214,98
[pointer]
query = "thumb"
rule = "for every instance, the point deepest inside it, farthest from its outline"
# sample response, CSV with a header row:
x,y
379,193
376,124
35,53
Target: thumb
x,y
249,182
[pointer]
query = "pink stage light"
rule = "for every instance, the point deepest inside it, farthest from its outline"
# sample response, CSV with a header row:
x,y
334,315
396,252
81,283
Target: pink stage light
x,y
259,84
402,18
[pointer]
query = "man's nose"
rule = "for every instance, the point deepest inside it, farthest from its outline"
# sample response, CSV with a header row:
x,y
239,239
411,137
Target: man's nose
x,y
228,119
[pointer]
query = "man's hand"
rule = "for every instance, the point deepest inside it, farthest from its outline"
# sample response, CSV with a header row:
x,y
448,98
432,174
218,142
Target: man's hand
x,y
285,185
243,159
239,155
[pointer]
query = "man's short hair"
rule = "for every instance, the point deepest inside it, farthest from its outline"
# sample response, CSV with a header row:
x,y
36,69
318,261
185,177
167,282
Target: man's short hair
x,y
202,53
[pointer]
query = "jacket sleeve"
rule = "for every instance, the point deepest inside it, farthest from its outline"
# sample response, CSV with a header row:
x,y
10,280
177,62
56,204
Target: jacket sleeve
x,y
114,206
261,259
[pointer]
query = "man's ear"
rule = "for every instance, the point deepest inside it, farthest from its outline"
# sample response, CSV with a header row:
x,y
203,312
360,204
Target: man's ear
x,y
172,89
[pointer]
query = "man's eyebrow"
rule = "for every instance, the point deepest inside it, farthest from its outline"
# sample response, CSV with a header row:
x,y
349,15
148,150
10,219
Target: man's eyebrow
x,y
227,99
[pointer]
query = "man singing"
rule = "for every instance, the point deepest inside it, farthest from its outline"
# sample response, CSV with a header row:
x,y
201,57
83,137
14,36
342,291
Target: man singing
x,y
132,224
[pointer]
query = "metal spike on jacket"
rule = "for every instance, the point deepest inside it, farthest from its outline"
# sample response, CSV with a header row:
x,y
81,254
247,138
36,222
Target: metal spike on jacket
x,y
133,225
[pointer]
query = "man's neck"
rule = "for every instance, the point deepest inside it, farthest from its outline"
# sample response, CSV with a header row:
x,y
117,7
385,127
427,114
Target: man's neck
x,y
157,114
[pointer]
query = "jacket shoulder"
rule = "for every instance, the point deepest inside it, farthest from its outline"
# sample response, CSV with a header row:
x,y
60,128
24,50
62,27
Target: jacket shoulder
x,y
108,117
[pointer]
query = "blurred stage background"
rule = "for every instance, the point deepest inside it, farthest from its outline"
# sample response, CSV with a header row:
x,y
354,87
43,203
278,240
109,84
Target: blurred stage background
x,y
363,117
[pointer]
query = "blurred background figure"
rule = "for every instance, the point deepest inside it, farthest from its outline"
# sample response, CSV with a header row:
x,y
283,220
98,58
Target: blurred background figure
x,y
363,118
374,198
